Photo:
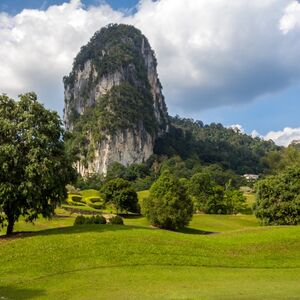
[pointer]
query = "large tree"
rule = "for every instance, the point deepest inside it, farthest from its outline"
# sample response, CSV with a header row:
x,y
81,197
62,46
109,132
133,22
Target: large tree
x,y
34,166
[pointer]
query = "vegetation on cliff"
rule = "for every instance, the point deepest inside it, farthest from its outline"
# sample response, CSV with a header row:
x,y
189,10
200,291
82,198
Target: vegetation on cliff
x,y
128,105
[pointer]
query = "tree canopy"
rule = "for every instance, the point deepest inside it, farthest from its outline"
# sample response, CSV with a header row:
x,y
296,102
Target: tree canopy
x,y
121,195
34,167
278,198
168,205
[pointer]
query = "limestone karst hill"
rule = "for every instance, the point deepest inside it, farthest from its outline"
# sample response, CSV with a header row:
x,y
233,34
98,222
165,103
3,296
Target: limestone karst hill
x,y
113,100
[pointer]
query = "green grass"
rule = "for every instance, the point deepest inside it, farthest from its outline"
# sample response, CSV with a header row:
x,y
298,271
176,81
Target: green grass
x,y
90,194
242,261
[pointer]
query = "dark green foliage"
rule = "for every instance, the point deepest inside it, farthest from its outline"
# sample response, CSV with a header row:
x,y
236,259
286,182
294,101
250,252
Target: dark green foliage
x,y
215,201
278,198
77,198
168,205
98,219
93,182
117,220
212,198
96,205
278,161
81,220
138,174
94,199
34,166
215,144
121,195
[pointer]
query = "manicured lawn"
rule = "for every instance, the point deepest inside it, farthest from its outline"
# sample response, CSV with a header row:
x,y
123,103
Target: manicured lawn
x,y
242,261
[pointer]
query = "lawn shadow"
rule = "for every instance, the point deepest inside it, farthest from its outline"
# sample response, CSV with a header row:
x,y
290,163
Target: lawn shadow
x,y
72,230
188,230
12,292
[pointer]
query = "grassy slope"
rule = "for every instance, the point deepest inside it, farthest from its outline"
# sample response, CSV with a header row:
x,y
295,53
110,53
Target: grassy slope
x,y
244,261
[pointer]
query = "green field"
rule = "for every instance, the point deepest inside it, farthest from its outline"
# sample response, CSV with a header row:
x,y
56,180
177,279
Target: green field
x,y
217,257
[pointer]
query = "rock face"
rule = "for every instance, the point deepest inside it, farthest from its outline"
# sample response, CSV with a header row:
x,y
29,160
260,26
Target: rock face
x,y
114,104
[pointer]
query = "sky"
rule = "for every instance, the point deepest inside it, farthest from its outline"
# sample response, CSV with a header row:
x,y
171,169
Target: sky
x,y
234,62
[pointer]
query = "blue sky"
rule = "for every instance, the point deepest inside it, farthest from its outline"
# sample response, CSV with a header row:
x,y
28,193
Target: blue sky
x,y
15,6
261,92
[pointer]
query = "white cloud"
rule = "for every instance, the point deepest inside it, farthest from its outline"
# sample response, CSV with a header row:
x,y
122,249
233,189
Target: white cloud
x,y
237,128
291,18
210,52
284,137
256,134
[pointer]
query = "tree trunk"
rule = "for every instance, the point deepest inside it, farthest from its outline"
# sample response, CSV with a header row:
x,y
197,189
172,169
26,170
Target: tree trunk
x,y
10,226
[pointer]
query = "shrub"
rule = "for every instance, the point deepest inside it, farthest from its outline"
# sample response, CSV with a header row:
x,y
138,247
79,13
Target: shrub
x,y
80,220
121,195
117,220
278,198
99,219
168,205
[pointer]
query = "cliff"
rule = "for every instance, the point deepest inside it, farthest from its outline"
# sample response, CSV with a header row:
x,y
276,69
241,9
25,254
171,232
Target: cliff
x,y
114,104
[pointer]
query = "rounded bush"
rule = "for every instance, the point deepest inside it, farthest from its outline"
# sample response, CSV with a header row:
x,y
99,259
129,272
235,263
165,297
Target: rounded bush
x,y
80,220
168,205
99,219
117,220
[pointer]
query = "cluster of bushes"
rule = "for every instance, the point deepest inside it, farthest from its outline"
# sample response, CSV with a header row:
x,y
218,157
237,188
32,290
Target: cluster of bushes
x,y
211,198
98,219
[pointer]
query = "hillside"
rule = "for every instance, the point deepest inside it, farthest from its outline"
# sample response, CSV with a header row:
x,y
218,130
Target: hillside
x,y
215,143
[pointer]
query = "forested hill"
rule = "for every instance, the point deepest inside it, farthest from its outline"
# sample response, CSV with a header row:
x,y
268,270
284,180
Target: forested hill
x,y
215,143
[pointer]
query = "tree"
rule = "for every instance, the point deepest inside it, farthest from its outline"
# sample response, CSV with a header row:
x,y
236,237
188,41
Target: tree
x,y
168,205
215,203
34,167
278,198
121,195
201,187
235,201
212,198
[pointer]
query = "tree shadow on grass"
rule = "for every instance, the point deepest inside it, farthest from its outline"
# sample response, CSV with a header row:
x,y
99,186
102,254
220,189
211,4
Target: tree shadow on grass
x,y
99,228
12,292
188,230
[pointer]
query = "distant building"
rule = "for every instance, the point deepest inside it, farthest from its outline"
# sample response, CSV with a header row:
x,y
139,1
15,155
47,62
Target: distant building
x,y
251,177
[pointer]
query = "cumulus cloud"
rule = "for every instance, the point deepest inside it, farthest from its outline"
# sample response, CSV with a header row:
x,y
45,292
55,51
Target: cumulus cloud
x,y
210,52
284,137
237,128
281,138
291,18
